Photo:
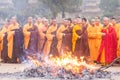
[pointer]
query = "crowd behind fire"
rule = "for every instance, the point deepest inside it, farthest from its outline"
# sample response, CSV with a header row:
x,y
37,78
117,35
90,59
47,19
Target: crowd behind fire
x,y
97,40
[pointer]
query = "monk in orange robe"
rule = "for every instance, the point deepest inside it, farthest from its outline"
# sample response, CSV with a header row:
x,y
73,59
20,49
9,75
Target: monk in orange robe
x,y
50,34
117,29
92,40
30,32
99,27
42,25
8,44
94,37
60,35
14,25
67,38
3,31
26,33
108,47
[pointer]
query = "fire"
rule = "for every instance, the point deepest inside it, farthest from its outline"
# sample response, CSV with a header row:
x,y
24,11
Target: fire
x,y
66,61
34,61
71,63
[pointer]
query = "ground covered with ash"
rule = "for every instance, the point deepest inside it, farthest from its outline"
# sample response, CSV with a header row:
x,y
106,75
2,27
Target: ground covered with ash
x,y
60,74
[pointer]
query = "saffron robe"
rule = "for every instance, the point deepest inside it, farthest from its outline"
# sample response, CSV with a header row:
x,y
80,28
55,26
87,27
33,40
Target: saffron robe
x,y
10,38
26,34
117,29
50,34
75,36
59,36
94,39
41,36
3,35
82,47
8,51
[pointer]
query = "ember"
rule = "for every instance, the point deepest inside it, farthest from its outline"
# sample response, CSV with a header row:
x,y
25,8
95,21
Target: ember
x,y
66,66
62,74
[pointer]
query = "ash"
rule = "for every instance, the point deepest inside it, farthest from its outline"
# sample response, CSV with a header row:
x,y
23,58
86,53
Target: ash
x,y
60,74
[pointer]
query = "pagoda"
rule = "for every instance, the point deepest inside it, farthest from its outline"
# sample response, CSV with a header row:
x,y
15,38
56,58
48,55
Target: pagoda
x,y
32,1
90,8
6,3
118,10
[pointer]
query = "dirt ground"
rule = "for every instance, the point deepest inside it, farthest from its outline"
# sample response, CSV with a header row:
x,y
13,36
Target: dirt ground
x,y
12,68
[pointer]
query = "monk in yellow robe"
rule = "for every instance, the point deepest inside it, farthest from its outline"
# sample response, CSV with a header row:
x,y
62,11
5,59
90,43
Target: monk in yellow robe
x,y
42,25
93,39
117,29
49,35
60,35
14,25
77,26
26,33
80,38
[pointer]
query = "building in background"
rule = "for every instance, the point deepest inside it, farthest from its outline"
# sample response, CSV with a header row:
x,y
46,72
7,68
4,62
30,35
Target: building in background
x,y
118,10
6,3
32,1
90,8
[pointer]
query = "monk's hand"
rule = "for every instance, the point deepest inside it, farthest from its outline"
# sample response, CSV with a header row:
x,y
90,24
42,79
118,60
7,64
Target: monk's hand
x,y
53,35
3,35
79,37
103,34
63,34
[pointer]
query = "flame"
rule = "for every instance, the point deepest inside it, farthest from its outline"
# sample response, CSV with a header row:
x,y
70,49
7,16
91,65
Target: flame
x,y
66,61
72,63
34,61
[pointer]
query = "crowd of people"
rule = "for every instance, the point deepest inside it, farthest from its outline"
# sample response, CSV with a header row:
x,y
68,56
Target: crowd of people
x,y
92,39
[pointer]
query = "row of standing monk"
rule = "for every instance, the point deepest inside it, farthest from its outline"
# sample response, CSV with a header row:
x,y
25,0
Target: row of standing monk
x,y
77,36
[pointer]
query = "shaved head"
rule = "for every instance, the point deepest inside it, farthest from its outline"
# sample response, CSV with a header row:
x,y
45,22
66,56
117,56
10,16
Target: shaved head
x,y
106,18
30,20
13,20
106,21
93,22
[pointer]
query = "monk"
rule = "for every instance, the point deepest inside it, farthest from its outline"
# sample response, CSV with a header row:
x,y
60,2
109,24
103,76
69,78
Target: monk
x,y
92,40
94,37
75,36
10,37
30,36
50,34
60,34
4,30
81,37
9,40
99,27
67,38
117,29
26,32
42,25
108,47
